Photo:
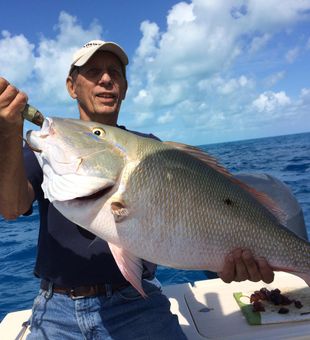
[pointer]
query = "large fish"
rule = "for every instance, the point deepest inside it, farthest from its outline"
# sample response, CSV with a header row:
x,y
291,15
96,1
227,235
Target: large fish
x,y
166,203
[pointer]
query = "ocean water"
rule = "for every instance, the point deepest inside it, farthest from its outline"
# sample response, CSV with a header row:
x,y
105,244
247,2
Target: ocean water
x,y
285,157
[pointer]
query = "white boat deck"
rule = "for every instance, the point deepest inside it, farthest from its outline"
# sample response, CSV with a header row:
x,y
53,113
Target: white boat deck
x,y
224,319
221,317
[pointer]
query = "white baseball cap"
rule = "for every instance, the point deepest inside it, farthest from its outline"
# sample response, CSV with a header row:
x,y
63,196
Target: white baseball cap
x,y
84,54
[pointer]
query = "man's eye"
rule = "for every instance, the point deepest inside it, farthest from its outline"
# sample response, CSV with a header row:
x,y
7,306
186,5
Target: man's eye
x,y
93,72
115,72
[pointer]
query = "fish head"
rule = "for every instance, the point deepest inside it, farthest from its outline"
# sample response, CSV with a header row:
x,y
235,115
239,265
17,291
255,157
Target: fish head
x,y
78,158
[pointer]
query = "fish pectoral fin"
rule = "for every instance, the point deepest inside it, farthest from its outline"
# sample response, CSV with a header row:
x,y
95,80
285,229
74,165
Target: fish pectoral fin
x,y
119,210
130,266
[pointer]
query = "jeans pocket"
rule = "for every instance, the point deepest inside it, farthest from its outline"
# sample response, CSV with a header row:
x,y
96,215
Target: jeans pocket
x,y
130,293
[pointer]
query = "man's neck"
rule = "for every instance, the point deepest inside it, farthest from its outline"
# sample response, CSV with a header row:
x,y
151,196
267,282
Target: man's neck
x,y
107,119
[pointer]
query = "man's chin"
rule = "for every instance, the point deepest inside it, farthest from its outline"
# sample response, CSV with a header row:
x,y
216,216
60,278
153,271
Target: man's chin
x,y
106,108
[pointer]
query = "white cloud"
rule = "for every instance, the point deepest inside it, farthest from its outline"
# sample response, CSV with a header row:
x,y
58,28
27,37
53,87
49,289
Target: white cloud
x,y
194,61
270,101
147,46
54,55
233,84
305,92
180,14
305,96
292,55
165,118
16,58
42,71
142,118
225,86
195,75
259,42
143,97
274,78
270,17
216,119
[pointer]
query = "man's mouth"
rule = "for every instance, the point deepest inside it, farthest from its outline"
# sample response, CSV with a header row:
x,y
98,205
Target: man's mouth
x,y
108,96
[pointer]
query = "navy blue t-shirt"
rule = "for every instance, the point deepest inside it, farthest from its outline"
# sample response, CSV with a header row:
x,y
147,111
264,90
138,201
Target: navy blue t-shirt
x,y
67,254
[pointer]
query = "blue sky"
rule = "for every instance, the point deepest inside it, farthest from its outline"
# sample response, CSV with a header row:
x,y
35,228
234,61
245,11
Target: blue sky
x,y
201,71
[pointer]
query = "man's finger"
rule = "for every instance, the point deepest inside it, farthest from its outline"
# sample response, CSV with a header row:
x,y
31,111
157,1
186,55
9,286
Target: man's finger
x,y
241,270
228,272
251,266
19,102
7,96
266,271
3,84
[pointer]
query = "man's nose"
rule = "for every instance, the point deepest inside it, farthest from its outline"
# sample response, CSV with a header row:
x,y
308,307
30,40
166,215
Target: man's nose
x,y
105,79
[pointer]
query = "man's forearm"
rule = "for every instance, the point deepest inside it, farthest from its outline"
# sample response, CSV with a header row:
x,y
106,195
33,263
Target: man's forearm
x,y
16,193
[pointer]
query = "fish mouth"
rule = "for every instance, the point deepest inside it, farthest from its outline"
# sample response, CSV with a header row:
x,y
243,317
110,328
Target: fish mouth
x,y
33,138
98,194
28,141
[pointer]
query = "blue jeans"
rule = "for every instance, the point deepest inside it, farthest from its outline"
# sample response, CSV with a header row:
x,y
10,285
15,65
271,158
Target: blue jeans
x,y
123,315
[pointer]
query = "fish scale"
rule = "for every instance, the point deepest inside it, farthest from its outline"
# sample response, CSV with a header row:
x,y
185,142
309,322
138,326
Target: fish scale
x,y
167,203
154,170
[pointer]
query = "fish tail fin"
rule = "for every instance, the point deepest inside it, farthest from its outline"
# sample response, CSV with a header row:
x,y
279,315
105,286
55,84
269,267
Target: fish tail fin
x,y
304,276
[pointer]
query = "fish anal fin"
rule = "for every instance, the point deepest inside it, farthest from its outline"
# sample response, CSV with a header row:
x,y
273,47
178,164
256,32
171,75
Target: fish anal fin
x,y
130,266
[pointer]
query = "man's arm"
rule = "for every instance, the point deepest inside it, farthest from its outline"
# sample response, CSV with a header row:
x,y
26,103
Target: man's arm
x,y
16,193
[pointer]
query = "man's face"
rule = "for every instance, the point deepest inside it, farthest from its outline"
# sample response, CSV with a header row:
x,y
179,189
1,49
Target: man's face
x,y
99,87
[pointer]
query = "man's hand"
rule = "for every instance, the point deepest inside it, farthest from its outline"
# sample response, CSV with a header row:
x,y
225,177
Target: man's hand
x,y
240,265
12,102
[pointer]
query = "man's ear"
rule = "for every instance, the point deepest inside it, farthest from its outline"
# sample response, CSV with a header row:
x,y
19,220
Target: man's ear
x,y
71,87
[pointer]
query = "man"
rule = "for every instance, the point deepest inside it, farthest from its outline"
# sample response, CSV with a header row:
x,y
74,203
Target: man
x,y
83,294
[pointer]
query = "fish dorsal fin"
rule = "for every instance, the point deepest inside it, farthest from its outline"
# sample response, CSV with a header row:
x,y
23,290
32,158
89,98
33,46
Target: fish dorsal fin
x,y
265,200
201,155
212,162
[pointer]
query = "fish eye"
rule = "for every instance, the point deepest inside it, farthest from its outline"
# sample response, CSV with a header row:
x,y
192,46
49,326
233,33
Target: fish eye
x,y
98,131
